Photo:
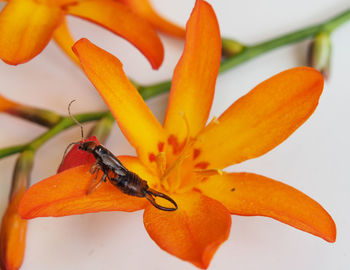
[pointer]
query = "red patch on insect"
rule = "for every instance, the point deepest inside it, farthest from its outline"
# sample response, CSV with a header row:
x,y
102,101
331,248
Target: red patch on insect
x,y
76,157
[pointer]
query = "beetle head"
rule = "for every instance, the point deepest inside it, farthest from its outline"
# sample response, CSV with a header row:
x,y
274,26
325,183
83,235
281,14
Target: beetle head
x,y
88,146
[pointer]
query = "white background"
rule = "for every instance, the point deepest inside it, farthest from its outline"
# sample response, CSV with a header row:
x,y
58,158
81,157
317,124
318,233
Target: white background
x,y
314,159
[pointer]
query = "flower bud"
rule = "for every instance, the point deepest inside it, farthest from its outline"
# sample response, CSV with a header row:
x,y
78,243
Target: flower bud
x,y
231,47
36,115
320,53
13,227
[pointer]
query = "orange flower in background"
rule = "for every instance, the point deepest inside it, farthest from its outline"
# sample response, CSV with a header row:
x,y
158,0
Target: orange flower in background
x,y
26,27
13,227
13,235
6,104
184,158
145,9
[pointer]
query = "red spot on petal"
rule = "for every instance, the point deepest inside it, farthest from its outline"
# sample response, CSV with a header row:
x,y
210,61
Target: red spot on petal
x,y
174,142
196,153
160,147
202,165
152,157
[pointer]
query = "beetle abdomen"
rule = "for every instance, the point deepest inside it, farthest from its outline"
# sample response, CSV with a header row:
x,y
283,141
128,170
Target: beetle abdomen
x,y
130,184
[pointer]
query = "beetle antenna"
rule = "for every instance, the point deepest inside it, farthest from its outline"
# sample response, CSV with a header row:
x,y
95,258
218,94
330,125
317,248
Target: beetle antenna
x,y
75,120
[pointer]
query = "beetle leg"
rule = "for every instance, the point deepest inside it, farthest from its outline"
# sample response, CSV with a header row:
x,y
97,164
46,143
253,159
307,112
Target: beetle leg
x,y
94,185
150,195
95,167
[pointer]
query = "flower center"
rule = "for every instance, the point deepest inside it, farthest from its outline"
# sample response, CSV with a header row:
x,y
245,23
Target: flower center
x,y
177,167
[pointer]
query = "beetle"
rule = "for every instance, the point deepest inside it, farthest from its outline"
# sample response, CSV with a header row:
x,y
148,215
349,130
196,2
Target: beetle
x,y
113,170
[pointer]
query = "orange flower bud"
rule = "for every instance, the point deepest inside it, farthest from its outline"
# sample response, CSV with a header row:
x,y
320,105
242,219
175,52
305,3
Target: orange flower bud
x,y
36,115
6,105
13,227
13,236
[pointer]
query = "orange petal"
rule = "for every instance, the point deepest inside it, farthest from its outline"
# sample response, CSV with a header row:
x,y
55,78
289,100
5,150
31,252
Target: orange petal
x,y
193,232
65,194
255,195
195,75
25,29
145,9
64,39
120,20
132,114
262,119
12,236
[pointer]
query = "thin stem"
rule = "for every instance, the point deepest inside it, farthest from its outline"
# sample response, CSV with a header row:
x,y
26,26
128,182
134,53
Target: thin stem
x,y
154,90
8,151
102,128
253,51
337,21
63,124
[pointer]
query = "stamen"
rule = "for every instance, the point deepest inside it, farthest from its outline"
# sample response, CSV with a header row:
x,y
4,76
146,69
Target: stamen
x,y
182,114
208,172
186,152
177,162
161,162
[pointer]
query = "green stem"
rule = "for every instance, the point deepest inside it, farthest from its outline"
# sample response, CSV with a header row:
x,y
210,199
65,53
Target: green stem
x,y
8,151
102,128
337,21
156,89
253,51
63,124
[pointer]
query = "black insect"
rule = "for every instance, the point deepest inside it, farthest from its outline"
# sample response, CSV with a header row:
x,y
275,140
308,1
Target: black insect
x,y
119,176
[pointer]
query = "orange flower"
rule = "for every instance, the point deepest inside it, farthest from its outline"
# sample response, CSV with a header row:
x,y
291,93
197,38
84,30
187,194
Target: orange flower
x,y
145,9
26,27
184,158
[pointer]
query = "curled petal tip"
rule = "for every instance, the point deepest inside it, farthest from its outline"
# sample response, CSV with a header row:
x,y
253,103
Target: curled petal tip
x,y
119,19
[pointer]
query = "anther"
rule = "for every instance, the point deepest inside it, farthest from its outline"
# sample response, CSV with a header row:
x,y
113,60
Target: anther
x,y
161,162
208,172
